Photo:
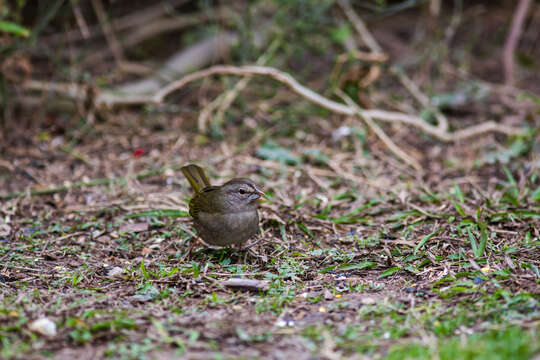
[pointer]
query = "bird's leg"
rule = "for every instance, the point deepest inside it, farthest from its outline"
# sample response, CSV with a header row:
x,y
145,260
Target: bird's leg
x,y
187,255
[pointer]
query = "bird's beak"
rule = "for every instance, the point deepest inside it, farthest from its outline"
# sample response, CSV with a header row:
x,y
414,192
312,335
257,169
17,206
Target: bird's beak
x,y
261,195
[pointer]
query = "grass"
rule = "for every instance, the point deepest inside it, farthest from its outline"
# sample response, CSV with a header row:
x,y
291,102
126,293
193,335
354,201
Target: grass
x,y
446,285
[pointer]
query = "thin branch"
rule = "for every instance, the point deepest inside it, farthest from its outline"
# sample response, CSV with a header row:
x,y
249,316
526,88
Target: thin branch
x,y
107,29
224,101
442,122
360,26
310,95
134,19
380,132
81,22
336,107
154,28
513,39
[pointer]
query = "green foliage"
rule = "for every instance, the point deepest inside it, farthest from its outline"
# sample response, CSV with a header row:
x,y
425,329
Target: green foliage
x,y
511,343
15,29
272,151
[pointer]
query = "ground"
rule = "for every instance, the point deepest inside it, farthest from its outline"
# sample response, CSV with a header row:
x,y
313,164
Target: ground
x,y
377,267
359,255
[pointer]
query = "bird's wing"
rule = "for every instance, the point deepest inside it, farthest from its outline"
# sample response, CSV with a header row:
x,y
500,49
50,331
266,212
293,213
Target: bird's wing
x,y
203,201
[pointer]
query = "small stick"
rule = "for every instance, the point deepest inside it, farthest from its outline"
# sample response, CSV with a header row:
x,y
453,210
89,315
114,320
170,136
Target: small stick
x,y
380,133
513,39
58,239
360,26
442,122
250,284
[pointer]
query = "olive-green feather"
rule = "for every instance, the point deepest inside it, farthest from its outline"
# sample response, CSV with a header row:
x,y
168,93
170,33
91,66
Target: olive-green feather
x,y
205,201
196,177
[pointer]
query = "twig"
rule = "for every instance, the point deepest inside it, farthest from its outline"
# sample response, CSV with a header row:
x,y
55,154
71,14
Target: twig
x,y
59,239
435,8
154,28
77,155
224,101
368,39
513,39
113,42
162,25
143,16
380,133
250,284
442,122
360,26
182,62
81,22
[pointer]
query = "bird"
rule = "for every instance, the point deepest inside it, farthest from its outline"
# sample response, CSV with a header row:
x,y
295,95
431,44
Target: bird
x,y
223,215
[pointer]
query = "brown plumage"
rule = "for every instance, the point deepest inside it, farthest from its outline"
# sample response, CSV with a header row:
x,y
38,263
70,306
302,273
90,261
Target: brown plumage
x,y
223,215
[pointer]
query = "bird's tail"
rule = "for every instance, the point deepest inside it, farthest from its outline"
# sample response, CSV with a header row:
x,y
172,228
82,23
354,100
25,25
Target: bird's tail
x,y
196,177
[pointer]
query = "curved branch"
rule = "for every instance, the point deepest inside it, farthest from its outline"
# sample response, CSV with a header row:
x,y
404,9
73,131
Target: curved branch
x,y
294,85
107,99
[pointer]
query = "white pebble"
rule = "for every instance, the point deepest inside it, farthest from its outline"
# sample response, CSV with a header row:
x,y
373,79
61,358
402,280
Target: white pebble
x,y
115,272
43,326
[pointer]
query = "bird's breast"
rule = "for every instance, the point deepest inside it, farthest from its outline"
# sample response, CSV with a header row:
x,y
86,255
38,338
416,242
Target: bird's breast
x,y
224,229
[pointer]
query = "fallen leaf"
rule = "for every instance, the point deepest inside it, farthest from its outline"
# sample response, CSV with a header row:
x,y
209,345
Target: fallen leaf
x,y
250,284
135,227
145,251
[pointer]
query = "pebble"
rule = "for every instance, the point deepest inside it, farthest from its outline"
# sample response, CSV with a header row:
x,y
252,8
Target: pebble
x,y
43,326
115,272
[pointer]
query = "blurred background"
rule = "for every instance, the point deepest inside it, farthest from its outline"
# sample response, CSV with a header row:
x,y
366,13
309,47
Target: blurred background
x,y
74,72
397,141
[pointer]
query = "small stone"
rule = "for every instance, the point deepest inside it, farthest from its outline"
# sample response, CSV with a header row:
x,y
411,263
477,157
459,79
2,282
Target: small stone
x,y
341,132
96,234
43,326
115,272
145,251
368,301
285,322
5,229
142,298
80,240
104,239
135,227
328,295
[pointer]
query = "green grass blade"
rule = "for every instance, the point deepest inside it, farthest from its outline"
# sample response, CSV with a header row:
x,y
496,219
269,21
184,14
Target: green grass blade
x,y
424,240
472,240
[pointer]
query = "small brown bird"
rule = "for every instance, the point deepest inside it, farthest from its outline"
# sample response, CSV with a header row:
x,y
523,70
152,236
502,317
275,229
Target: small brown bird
x,y
223,215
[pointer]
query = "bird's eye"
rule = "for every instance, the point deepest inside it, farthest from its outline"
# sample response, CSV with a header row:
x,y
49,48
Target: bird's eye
x,y
242,191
